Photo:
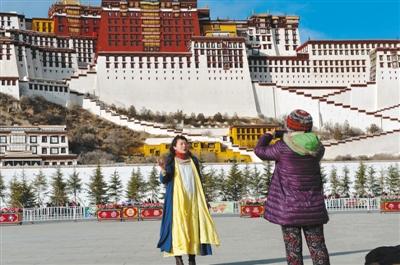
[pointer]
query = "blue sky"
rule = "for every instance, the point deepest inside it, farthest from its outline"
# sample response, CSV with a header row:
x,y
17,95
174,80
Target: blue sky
x,y
319,19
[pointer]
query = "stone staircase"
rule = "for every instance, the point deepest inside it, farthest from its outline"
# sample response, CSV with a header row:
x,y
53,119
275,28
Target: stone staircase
x,y
83,81
389,120
391,111
391,125
329,143
100,109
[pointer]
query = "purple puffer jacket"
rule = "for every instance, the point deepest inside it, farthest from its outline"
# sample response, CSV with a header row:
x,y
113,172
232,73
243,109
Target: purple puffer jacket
x,y
295,195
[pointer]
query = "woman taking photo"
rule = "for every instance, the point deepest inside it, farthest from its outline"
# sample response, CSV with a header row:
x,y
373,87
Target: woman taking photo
x,y
186,227
295,198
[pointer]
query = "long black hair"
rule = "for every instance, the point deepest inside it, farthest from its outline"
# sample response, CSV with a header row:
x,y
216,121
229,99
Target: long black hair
x,y
173,144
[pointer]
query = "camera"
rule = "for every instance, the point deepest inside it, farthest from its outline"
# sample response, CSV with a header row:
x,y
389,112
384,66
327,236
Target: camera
x,y
279,133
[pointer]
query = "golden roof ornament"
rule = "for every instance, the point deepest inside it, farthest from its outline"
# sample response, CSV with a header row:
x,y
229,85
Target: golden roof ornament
x,y
70,2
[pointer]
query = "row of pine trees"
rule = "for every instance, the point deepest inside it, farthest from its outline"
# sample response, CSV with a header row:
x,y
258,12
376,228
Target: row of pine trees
x,y
368,181
66,189
233,185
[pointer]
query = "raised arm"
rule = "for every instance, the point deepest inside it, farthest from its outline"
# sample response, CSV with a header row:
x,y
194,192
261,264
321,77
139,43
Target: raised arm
x,y
167,170
265,151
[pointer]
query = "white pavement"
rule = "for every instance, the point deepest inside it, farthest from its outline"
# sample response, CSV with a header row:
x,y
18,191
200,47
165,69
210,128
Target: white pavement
x,y
349,236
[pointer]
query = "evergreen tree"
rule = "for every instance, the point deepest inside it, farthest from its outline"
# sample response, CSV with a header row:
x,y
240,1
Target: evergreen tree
x,y
220,181
2,188
381,183
333,178
15,193
115,187
345,183
372,182
360,181
234,183
323,179
59,194
74,184
267,178
393,180
154,184
145,187
209,184
40,187
257,183
136,186
27,196
247,175
98,187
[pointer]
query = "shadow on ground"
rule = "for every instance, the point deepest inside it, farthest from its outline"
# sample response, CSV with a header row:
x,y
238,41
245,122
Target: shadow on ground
x,y
272,261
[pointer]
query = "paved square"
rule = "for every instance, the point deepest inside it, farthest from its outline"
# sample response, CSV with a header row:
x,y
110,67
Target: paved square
x,y
349,237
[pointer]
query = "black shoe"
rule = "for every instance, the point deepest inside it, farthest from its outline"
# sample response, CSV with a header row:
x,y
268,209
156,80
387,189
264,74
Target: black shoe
x,y
192,259
178,260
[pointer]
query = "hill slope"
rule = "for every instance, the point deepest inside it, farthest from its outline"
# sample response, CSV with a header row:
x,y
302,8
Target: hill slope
x,y
93,139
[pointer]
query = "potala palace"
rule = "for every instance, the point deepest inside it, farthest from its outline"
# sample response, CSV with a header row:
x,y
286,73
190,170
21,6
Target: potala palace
x,y
169,55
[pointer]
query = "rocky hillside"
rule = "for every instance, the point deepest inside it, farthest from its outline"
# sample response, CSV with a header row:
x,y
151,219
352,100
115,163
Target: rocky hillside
x,y
94,139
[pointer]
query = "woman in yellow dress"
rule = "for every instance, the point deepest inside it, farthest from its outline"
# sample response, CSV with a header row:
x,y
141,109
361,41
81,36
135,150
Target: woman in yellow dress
x,y
187,227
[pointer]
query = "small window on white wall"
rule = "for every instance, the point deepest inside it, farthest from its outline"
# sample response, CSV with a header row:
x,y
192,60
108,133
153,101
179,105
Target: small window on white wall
x,y
34,149
54,139
54,150
2,149
18,139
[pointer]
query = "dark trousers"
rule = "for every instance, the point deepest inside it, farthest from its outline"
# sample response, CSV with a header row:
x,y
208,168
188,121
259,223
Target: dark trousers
x,y
315,241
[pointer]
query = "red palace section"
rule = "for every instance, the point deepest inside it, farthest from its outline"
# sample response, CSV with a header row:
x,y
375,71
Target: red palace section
x,y
147,26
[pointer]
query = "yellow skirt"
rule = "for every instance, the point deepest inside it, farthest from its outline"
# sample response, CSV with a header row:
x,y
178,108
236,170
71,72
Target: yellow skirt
x,y
192,224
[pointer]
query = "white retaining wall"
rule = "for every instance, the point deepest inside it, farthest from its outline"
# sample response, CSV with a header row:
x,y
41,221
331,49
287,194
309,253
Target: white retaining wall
x,y
388,81
9,68
318,92
277,102
198,90
60,98
84,83
394,112
12,90
385,144
364,97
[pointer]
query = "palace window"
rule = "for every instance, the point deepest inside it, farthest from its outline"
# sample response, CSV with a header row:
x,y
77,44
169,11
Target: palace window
x,y
54,139
33,149
54,151
18,139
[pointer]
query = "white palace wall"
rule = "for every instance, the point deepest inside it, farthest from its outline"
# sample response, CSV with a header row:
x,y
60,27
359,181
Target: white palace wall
x,y
59,95
190,89
265,99
85,83
277,102
393,112
385,144
318,92
364,96
388,81
8,70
